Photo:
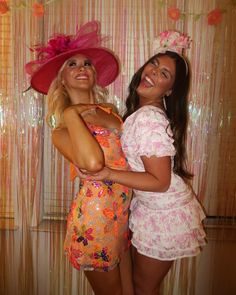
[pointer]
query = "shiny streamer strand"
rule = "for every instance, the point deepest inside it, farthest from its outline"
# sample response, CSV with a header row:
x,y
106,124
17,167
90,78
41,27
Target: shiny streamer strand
x,y
35,188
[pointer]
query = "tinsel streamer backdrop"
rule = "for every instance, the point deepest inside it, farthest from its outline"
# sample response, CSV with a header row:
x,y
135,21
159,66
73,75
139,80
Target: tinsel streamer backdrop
x,y
36,191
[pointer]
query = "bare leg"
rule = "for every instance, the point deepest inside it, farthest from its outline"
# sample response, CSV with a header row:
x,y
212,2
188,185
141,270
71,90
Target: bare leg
x,y
105,283
126,274
148,273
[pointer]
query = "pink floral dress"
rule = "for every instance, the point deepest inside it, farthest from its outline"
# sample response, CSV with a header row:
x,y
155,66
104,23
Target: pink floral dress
x,y
97,224
165,225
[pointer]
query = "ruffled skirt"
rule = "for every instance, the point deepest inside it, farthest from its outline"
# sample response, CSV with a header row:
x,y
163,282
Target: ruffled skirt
x,y
167,234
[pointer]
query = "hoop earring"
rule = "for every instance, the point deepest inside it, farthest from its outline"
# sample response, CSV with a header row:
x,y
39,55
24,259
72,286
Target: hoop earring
x,y
164,103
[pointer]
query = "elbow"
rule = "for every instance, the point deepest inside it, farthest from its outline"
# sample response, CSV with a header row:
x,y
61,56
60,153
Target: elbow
x,y
93,165
165,186
162,187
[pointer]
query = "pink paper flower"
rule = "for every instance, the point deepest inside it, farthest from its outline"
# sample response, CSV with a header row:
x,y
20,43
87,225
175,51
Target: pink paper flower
x,y
174,13
38,9
214,17
3,7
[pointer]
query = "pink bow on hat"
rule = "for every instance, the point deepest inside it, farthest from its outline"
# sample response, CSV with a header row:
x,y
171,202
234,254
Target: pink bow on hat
x,y
86,37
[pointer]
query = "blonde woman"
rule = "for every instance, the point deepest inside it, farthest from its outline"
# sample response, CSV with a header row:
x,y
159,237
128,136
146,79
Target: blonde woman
x,y
87,133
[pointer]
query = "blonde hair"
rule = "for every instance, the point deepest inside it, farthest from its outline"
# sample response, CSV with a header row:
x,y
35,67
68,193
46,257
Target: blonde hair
x,y
58,100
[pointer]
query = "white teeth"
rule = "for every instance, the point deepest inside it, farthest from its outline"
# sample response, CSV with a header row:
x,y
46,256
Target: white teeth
x,y
81,77
149,80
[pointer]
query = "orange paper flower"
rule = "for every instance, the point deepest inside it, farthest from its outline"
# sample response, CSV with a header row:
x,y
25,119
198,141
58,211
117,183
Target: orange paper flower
x,y
214,17
38,9
3,7
174,13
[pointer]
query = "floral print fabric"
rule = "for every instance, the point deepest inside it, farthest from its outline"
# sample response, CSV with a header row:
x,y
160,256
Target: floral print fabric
x,y
97,225
165,225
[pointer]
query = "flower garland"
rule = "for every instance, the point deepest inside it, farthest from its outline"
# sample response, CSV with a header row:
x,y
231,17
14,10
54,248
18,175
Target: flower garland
x,y
38,9
213,17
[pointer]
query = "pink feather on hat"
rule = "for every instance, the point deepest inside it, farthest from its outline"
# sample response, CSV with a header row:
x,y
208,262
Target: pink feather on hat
x,y
59,48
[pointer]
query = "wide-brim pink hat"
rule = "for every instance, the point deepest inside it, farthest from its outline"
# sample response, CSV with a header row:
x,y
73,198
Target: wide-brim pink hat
x,y
60,48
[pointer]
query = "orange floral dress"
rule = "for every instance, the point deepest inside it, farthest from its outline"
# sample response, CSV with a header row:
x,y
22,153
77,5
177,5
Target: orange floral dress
x,y
97,224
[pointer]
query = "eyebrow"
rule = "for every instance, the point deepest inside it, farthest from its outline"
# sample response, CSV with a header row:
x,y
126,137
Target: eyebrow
x,y
88,60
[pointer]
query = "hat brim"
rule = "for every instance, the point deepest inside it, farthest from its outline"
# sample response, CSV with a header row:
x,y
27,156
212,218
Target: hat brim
x,y
104,61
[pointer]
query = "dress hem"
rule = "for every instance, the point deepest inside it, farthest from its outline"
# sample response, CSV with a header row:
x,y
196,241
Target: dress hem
x,y
197,251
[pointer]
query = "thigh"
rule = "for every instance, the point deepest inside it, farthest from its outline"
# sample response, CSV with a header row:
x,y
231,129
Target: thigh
x,y
126,273
105,283
148,273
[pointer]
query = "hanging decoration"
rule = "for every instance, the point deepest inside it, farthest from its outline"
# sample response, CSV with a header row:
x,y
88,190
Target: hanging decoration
x,y
37,8
3,7
174,13
213,17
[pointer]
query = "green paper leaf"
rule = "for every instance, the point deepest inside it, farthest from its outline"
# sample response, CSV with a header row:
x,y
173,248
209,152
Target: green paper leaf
x,y
197,17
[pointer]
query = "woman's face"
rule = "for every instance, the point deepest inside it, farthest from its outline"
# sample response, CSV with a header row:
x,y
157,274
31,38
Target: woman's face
x,y
78,73
157,80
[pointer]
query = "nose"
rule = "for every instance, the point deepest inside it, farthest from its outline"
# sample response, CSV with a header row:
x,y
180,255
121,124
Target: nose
x,y
81,68
154,71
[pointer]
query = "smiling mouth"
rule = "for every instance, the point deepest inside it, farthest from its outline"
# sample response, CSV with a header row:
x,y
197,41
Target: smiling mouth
x,y
147,82
81,77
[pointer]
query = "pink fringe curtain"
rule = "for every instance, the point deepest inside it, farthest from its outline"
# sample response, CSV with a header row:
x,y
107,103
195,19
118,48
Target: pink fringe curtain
x,y
36,192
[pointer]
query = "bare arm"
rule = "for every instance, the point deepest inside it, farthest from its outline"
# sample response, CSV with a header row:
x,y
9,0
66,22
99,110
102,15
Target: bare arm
x,y
156,177
77,143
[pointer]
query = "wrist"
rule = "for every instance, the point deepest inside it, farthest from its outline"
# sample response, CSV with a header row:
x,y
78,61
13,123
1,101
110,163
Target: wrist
x,y
111,174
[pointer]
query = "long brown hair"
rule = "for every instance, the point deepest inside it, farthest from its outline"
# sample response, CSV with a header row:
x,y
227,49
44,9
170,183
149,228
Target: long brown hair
x,y
176,108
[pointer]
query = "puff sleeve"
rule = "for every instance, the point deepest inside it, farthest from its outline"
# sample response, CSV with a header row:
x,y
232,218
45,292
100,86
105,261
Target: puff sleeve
x,y
153,135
